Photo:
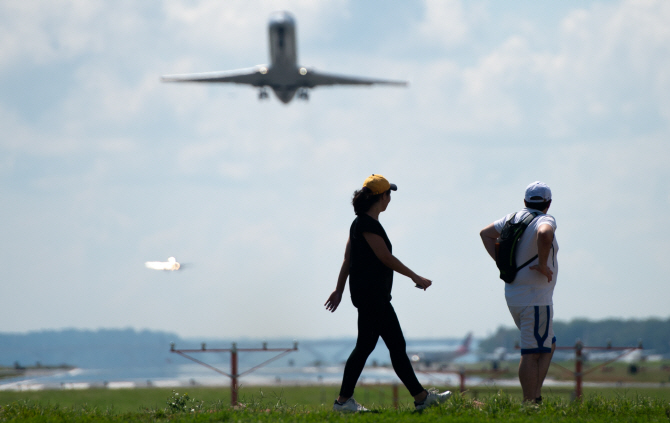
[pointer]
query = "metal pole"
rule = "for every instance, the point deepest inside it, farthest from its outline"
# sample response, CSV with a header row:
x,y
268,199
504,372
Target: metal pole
x,y
233,372
578,369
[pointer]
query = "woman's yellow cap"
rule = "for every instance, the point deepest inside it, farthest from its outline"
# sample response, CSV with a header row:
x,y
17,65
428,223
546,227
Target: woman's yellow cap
x,y
378,184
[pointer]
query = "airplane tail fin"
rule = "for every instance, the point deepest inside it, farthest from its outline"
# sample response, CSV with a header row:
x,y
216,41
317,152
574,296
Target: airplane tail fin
x,y
465,346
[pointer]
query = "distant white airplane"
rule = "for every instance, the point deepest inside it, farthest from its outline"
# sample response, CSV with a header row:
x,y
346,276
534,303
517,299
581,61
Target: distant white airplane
x,y
440,357
170,264
283,75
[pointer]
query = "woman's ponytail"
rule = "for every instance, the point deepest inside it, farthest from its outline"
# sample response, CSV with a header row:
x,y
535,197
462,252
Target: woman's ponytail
x,y
363,199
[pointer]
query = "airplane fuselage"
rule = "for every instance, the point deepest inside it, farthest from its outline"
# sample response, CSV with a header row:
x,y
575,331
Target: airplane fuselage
x,y
283,56
430,358
283,52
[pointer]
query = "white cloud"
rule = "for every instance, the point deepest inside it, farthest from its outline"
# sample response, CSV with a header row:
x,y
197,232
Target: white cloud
x,y
612,63
45,32
606,73
444,23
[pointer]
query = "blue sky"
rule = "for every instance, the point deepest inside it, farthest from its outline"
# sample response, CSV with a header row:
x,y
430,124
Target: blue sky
x,y
103,167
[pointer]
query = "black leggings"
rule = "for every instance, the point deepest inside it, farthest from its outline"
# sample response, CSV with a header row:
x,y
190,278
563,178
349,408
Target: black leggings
x,y
374,322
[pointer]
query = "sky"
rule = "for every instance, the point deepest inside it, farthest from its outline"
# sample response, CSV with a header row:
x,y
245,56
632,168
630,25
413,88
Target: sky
x,y
103,167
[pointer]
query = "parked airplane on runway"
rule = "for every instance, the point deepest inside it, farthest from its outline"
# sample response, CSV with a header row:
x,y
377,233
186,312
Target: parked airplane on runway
x,y
440,357
283,75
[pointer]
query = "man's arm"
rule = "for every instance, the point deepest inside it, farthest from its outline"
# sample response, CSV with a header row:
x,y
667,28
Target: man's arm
x,y
336,296
489,236
545,239
384,255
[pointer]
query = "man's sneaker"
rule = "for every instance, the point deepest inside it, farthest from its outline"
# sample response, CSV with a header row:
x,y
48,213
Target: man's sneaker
x,y
349,406
433,398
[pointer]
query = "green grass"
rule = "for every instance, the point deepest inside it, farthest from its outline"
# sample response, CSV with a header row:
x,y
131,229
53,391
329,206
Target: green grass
x,y
312,404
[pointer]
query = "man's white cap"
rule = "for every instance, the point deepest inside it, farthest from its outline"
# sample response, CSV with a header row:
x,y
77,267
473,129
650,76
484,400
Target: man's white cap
x,y
538,192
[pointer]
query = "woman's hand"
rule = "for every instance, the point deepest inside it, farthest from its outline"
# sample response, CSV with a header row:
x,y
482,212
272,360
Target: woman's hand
x,y
421,282
333,301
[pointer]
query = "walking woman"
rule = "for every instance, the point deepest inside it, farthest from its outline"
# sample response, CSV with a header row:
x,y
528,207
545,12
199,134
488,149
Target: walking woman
x,y
369,265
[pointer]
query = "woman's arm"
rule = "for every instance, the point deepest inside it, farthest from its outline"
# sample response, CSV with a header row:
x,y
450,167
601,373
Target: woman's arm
x,y
384,255
336,297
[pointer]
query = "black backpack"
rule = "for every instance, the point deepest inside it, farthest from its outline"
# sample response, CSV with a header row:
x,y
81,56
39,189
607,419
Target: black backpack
x,y
506,246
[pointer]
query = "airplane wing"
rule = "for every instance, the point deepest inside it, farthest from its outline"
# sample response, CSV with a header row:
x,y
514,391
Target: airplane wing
x,y
256,76
313,78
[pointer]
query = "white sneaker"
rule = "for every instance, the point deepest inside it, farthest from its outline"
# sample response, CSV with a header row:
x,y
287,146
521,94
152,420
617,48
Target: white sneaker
x,y
349,406
433,398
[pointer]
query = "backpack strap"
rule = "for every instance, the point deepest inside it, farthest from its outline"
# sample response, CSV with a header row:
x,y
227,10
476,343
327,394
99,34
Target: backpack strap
x,y
534,215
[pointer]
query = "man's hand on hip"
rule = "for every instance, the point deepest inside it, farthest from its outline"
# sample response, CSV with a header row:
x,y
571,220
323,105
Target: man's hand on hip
x,y
545,270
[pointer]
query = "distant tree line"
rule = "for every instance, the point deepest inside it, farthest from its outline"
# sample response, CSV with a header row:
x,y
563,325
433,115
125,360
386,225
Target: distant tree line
x,y
107,348
654,334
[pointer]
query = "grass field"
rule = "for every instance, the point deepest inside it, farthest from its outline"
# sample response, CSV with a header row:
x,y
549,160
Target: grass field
x,y
312,404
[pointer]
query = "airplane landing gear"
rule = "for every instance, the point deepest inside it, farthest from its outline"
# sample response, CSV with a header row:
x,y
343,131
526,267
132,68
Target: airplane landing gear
x,y
303,94
263,94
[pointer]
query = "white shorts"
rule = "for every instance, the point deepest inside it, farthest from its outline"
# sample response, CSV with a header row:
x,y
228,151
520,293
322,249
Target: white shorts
x,y
536,324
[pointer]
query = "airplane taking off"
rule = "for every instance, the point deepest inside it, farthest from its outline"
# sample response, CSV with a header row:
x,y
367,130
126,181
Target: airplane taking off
x,y
440,357
283,75
170,264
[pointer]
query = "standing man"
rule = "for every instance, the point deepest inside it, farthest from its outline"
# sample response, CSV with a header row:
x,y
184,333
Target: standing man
x,y
529,295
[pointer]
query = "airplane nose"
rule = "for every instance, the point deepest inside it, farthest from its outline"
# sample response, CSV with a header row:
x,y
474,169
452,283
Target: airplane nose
x,y
285,96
